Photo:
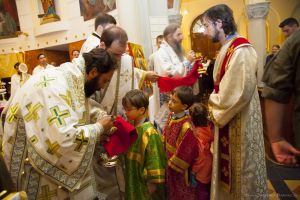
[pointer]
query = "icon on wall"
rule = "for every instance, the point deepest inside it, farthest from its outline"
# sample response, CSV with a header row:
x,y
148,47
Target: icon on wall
x,y
170,4
136,51
9,20
50,13
90,8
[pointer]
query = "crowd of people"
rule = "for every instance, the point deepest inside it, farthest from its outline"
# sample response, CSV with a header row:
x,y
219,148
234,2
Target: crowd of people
x,y
57,122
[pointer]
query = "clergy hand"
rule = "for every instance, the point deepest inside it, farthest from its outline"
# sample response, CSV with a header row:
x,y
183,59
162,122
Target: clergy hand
x,y
284,152
151,187
107,122
151,76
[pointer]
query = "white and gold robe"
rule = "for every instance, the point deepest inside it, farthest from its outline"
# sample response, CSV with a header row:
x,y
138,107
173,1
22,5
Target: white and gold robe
x,y
128,78
40,68
110,181
237,104
48,142
17,80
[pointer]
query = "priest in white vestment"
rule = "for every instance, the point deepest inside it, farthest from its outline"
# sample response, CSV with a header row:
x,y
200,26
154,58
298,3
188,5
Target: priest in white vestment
x,y
124,79
169,61
239,168
17,79
42,64
51,129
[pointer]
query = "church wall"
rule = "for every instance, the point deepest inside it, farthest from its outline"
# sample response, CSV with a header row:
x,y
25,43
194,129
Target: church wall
x,y
58,57
71,28
195,8
279,10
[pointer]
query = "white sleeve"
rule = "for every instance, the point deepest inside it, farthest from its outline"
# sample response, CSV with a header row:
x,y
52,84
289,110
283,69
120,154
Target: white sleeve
x,y
164,66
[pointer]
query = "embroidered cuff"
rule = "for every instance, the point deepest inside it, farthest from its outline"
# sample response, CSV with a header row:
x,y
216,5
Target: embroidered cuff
x,y
174,167
178,164
99,130
155,176
156,180
210,116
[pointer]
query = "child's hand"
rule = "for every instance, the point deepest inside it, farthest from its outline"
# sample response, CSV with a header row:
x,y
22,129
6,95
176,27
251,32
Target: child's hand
x,y
151,187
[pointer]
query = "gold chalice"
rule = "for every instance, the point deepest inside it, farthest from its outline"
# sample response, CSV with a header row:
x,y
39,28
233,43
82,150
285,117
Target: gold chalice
x,y
105,159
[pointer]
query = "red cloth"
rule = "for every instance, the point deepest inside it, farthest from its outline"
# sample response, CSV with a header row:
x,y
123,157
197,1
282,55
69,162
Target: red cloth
x,y
123,137
167,84
202,166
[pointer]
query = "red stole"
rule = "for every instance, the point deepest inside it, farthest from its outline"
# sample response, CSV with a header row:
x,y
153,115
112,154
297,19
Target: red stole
x,y
224,139
167,84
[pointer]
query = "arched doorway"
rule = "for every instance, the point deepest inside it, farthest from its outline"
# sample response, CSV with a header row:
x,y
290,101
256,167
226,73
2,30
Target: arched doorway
x,y
200,43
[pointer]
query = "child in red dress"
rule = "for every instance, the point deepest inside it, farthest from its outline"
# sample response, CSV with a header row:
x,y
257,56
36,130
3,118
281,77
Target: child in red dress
x,y
181,145
202,167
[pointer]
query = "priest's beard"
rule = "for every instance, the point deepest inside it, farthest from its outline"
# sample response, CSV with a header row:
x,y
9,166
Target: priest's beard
x,y
90,87
215,37
177,47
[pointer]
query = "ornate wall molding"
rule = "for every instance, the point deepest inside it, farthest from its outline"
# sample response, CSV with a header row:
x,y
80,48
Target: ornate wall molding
x,y
258,10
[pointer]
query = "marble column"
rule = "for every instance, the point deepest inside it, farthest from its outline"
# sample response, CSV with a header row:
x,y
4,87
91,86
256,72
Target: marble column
x,y
158,17
174,13
133,17
257,13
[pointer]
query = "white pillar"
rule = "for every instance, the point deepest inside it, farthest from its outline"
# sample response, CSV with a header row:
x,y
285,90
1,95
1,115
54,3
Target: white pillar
x,y
133,17
158,17
158,7
129,19
174,13
257,13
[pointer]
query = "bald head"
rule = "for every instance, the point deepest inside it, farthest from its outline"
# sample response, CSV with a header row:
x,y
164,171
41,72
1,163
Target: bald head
x,y
112,34
114,40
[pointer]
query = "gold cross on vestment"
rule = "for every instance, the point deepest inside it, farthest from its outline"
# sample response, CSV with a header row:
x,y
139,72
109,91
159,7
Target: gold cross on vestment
x,y
46,194
32,112
53,148
83,120
225,171
80,140
44,82
33,139
58,116
126,75
224,141
12,113
67,98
